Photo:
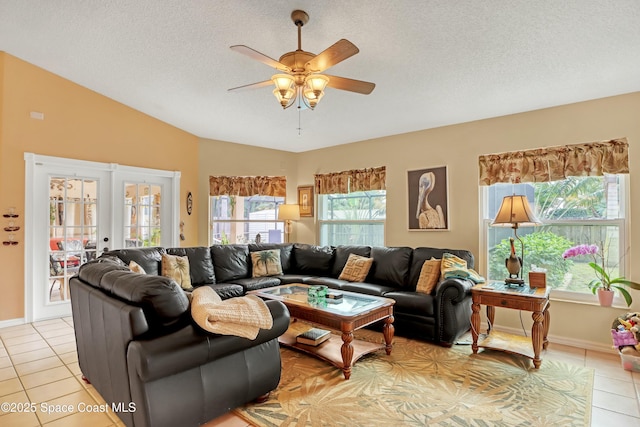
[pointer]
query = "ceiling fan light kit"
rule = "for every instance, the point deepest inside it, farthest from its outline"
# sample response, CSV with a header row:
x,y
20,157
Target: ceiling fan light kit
x,y
299,81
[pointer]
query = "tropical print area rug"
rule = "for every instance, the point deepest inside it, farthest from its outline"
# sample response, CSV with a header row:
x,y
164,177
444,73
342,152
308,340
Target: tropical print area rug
x,y
422,384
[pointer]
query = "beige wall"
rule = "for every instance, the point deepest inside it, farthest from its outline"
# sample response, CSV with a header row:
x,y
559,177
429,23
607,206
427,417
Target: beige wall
x,y
458,147
78,124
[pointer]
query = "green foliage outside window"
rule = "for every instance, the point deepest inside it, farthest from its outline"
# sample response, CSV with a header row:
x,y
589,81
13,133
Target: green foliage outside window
x,y
543,249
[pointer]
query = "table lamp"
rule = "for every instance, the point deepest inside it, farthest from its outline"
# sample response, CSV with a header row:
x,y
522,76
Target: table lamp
x,y
515,212
288,213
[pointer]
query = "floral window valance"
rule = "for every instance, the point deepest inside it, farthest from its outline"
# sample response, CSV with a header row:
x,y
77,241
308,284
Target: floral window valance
x,y
555,163
351,181
248,186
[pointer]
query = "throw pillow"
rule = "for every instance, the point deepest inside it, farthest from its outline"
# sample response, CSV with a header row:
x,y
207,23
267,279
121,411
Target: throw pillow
x,y
450,261
356,268
429,276
136,268
177,268
266,263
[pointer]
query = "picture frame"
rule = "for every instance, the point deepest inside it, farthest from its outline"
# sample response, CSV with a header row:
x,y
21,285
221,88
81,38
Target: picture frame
x,y
428,199
305,200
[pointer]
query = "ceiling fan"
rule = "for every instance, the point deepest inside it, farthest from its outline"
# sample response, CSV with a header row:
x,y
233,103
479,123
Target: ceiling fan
x,y
300,79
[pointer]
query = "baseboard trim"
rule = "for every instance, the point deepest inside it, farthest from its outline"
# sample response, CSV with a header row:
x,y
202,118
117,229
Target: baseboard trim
x,y
571,342
12,322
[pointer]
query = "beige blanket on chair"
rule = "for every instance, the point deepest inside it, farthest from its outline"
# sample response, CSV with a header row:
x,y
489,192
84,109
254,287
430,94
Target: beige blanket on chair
x,y
240,316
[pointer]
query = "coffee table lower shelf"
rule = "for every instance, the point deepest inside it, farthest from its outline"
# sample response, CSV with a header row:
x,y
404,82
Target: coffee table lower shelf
x,y
331,349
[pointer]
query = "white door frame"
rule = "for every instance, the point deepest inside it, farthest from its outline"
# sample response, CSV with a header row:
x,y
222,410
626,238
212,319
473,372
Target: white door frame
x,y
34,227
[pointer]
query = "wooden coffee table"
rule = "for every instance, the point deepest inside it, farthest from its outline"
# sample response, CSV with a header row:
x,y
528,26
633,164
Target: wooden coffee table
x,y
498,294
352,312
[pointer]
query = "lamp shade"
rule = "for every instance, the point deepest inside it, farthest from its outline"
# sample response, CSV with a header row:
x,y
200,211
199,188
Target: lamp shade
x,y
515,210
289,212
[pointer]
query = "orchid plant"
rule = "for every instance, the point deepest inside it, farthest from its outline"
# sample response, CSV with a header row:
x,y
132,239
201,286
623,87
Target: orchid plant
x,y
603,278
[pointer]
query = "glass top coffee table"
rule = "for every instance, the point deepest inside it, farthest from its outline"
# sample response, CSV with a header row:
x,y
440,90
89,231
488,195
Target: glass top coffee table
x,y
347,314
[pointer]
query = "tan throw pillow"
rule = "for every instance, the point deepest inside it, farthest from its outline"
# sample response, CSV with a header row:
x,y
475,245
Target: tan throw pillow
x,y
266,263
429,276
136,268
177,268
356,268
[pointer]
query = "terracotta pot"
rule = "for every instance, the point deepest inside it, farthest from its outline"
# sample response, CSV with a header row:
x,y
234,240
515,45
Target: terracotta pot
x,y
605,297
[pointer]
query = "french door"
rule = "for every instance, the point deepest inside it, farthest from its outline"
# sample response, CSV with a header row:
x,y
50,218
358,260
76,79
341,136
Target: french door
x,y
75,210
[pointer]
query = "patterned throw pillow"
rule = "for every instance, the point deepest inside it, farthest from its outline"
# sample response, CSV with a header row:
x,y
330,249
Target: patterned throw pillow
x,y
136,268
356,268
429,276
177,268
266,263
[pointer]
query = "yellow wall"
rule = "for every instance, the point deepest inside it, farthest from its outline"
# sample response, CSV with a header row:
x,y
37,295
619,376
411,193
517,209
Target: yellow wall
x,y
458,147
78,124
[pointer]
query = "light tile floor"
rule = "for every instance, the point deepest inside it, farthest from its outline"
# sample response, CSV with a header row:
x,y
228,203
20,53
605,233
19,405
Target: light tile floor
x,y
39,364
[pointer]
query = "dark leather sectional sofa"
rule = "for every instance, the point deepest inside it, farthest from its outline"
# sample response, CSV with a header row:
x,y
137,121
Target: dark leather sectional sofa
x,y
136,341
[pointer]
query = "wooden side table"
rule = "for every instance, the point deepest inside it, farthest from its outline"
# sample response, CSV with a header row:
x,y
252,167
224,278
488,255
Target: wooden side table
x,y
497,294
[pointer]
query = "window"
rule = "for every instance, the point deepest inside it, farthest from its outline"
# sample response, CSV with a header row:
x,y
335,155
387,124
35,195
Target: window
x,y
356,218
142,215
573,211
238,219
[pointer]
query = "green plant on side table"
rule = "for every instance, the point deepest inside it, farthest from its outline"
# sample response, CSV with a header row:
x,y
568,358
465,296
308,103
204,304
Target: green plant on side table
x,y
603,280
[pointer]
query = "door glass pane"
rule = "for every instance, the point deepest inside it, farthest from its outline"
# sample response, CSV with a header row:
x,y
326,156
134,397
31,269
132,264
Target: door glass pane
x,y
142,219
72,231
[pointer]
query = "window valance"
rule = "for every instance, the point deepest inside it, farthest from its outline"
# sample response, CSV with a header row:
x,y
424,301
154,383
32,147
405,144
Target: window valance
x,y
246,186
351,181
555,163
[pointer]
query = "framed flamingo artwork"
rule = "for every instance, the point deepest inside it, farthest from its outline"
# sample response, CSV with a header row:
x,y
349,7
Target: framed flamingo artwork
x,y
428,199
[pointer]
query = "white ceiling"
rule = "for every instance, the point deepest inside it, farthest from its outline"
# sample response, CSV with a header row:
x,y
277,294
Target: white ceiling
x,y
434,62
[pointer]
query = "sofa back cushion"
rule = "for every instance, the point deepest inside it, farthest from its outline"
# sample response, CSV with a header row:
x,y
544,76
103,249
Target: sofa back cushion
x,y
230,262
150,259
342,255
420,255
162,300
312,260
390,266
200,264
286,253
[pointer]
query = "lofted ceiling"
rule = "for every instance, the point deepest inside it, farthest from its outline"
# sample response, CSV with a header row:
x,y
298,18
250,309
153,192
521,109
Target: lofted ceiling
x,y
434,63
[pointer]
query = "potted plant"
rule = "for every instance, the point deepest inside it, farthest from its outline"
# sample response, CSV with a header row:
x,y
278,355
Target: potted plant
x,y
603,284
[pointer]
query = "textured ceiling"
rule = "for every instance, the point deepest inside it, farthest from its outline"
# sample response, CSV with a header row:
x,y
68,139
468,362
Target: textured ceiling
x,y
434,63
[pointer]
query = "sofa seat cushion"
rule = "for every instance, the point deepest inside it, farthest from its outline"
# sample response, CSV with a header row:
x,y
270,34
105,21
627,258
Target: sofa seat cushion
x,y
200,264
367,288
149,259
253,283
326,281
287,279
230,262
227,290
412,303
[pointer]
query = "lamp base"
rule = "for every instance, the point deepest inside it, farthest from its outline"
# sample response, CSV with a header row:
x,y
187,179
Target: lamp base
x,y
512,281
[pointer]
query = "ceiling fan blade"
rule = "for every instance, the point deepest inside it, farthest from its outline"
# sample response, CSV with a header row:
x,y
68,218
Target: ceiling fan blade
x,y
351,85
331,56
252,86
254,54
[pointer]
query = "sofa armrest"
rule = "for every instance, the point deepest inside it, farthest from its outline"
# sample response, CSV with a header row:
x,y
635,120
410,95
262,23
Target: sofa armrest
x,y
191,347
453,309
